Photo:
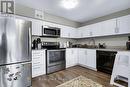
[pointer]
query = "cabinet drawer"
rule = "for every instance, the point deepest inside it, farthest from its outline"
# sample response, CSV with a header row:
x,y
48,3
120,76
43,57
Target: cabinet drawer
x,y
37,70
37,61
36,54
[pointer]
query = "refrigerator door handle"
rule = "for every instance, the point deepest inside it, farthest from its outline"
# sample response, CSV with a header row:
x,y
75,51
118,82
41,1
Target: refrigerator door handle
x,y
30,41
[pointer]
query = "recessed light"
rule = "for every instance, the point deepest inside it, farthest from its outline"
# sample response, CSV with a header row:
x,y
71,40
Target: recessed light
x,y
69,4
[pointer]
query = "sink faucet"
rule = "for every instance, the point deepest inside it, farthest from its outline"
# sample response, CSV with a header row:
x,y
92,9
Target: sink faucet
x,y
92,40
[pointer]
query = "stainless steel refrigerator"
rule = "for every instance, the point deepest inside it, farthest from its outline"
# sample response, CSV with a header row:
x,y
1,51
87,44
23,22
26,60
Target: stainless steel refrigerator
x,y
15,52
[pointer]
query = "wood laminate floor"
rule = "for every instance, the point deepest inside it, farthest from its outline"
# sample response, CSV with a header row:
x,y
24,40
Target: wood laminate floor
x,y
60,77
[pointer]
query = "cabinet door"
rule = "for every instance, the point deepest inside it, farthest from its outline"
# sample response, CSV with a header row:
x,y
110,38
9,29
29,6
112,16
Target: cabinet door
x,y
108,27
80,32
71,57
65,32
91,58
84,32
68,32
73,32
37,26
82,57
96,30
88,31
123,24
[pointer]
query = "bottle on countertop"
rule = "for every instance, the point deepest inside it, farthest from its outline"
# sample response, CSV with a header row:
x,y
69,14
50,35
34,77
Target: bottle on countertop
x,y
39,43
34,44
128,43
101,45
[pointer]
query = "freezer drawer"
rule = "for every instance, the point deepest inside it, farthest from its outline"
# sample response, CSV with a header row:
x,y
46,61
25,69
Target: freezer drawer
x,y
16,75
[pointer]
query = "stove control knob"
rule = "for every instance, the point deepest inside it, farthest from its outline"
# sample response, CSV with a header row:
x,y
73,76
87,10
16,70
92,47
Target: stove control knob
x,y
15,78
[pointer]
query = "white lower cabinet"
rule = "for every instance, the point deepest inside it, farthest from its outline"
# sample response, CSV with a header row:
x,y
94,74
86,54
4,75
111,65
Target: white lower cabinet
x,y
83,57
38,63
71,57
91,58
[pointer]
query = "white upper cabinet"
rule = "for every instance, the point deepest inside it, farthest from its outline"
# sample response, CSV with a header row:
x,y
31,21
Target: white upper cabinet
x,y
80,32
123,25
84,32
68,32
37,26
90,31
108,27
96,30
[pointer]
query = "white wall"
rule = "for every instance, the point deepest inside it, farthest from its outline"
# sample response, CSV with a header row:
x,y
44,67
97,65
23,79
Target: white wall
x,y
29,12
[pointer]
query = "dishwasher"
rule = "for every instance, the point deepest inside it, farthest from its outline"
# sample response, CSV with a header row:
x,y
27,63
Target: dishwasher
x,y
105,61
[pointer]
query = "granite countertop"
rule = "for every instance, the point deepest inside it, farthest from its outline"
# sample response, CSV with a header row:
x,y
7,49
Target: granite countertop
x,y
106,49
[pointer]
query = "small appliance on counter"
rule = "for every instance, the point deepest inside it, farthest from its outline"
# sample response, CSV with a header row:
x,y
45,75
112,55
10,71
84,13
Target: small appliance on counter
x,y
37,44
101,45
128,43
76,46
67,44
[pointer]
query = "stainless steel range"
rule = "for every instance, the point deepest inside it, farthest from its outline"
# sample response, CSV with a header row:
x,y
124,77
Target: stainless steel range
x,y
55,57
15,52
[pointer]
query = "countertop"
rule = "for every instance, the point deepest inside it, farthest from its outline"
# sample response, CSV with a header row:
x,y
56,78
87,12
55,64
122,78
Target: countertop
x,y
106,49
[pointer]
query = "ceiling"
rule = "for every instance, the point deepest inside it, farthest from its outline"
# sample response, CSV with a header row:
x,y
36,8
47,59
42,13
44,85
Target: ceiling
x,y
86,9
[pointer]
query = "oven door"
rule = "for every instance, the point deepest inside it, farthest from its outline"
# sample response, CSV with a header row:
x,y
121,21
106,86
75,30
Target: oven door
x,y
55,57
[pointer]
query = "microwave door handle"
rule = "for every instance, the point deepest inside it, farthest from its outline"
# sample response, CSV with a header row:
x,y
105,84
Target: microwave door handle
x,y
42,29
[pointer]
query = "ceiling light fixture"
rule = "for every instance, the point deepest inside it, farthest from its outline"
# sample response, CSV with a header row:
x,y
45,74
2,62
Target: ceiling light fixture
x,y
69,4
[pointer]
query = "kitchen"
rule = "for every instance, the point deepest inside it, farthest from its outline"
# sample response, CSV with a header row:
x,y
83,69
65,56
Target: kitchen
x,y
63,47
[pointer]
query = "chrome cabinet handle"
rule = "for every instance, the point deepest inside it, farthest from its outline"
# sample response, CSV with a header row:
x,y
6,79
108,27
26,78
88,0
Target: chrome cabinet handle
x,y
36,63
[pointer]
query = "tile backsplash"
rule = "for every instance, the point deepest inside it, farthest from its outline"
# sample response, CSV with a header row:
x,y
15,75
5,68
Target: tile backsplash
x,y
110,41
61,40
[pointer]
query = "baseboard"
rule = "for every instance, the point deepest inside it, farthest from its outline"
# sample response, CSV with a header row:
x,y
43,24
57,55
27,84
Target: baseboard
x,y
83,66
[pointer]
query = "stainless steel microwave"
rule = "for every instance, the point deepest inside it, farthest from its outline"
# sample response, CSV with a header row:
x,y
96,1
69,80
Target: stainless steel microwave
x,y
48,31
